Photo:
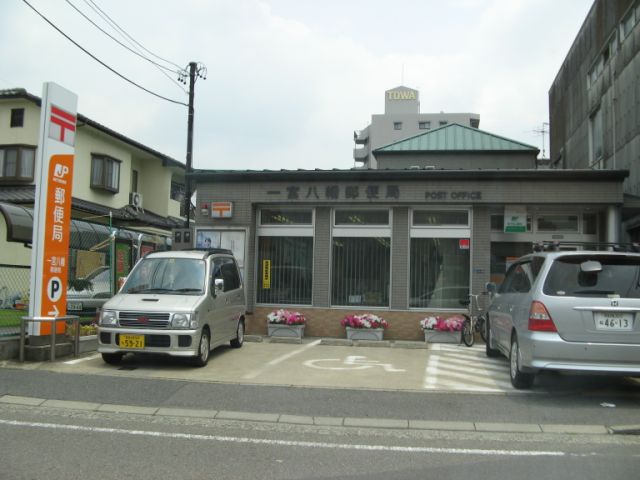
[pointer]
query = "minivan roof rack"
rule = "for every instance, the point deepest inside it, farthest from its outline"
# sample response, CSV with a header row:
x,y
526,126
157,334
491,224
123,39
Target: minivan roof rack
x,y
556,246
208,251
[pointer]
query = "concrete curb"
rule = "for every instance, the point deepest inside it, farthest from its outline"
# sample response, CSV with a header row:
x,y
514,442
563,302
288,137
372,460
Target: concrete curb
x,y
351,422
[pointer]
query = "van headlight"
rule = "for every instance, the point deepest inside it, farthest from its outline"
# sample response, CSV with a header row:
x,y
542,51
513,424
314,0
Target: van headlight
x,y
183,320
108,318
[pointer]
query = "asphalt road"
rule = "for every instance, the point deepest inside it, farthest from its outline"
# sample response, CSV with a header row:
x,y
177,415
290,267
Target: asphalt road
x,y
70,444
558,400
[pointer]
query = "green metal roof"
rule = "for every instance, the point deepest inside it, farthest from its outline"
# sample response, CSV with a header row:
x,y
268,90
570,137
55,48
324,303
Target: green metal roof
x,y
455,138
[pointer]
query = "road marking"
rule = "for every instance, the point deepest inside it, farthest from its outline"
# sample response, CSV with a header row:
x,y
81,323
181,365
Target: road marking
x,y
287,443
281,359
80,360
352,362
457,368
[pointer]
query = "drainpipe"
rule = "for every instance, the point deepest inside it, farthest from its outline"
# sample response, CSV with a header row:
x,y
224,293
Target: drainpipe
x,y
613,224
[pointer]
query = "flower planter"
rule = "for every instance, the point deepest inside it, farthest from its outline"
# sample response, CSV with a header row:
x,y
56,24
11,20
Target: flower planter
x,y
283,330
438,336
365,333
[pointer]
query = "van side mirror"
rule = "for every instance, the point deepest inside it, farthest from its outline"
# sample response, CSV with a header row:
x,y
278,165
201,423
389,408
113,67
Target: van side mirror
x,y
491,288
218,285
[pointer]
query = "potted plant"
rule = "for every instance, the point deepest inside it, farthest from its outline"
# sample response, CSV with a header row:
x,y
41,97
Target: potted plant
x,y
439,329
283,323
364,327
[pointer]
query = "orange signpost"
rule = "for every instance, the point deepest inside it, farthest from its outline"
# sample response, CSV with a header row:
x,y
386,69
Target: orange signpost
x,y
52,209
56,240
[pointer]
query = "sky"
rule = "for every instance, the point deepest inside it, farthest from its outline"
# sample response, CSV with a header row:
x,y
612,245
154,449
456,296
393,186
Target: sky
x,y
288,81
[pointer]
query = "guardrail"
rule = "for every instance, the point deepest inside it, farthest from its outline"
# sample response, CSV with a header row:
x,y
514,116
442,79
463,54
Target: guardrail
x,y
54,322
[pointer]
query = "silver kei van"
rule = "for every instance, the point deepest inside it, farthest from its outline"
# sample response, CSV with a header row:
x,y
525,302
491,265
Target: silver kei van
x,y
179,303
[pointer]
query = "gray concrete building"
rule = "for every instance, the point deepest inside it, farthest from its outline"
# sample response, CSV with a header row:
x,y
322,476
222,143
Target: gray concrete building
x,y
401,119
594,102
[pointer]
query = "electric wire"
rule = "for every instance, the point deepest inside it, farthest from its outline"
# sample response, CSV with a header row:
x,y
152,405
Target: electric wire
x,y
113,23
100,61
160,67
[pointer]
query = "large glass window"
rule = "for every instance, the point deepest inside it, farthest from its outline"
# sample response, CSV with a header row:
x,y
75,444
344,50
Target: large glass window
x,y
439,272
285,270
361,271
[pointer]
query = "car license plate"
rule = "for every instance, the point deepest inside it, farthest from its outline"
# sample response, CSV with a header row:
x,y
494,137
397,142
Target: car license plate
x,y
75,307
132,341
614,321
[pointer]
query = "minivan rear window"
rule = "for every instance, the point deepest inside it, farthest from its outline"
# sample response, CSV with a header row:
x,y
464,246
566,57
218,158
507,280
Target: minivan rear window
x,y
620,275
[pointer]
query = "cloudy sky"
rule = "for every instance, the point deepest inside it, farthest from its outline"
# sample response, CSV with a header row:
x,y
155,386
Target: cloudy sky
x,y
288,81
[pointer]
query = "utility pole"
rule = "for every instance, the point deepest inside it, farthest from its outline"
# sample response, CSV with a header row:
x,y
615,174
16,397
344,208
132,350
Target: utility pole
x,y
196,70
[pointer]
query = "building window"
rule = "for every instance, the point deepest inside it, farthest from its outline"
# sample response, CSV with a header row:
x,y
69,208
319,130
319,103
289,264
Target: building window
x,y
589,224
627,24
442,123
596,139
105,173
361,271
424,125
361,217
397,125
17,163
439,258
134,181
285,256
439,273
285,216
17,117
285,270
557,223
440,217
361,257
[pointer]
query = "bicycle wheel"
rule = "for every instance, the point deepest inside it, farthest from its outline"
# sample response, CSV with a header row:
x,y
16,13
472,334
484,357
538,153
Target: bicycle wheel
x,y
467,333
482,326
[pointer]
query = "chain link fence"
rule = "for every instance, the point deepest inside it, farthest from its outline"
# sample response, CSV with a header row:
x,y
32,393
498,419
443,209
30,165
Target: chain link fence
x,y
14,297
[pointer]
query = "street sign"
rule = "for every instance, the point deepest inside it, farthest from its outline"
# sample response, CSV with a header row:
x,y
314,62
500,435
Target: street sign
x,y
52,208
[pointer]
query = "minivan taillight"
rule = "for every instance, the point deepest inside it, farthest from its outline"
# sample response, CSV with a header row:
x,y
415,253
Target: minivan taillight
x,y
539,318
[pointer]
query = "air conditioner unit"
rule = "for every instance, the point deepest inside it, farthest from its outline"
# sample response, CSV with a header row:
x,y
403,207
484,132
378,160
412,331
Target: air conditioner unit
x,y
135,200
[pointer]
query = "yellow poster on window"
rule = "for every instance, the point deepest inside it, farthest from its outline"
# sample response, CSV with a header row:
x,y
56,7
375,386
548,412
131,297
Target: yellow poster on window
x,y
266,274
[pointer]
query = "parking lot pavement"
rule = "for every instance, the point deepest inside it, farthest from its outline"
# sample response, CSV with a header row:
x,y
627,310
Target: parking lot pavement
x,y
316,363
329,363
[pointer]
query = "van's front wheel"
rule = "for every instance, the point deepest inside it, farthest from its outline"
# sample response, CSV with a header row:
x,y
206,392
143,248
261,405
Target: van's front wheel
x,y
204,348
112,358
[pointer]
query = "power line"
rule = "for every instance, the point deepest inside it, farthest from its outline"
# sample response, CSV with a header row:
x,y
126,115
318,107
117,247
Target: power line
x,y
100,61
113,23
157,65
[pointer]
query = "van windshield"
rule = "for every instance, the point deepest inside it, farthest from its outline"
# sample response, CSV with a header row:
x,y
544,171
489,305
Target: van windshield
x,y
174,276
620,275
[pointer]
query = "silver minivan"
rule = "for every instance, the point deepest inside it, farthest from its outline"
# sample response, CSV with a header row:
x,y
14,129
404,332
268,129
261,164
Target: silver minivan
x,y
180,303
573,311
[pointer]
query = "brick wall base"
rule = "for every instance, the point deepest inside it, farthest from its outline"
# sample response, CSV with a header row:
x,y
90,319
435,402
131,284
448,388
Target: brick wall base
x,y
325,322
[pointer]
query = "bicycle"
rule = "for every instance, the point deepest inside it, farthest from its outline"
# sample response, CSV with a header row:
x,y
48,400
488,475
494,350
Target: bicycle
x,y
474,322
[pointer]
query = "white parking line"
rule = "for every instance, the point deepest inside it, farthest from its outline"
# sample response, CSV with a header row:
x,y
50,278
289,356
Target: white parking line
x,y
80,360
281,359
457,368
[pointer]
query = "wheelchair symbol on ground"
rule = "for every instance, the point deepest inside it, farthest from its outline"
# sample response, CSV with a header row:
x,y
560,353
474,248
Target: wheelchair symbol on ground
x,y
351,362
